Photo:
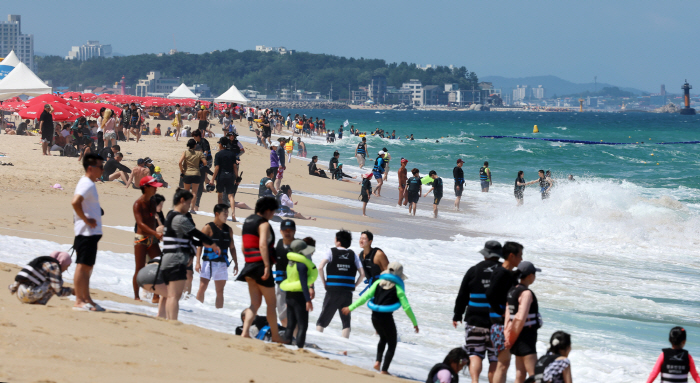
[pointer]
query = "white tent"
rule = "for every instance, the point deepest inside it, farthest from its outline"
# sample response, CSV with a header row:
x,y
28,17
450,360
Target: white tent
x,y
22,81
232,95
183,91
8,64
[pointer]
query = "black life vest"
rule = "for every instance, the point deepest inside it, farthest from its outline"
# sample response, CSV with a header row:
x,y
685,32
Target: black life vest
x,y
518,188
222,238
32,273
414,185
543,182
676,366
341,270
263,190
372,271
251,240
482,174
172,243
432,375
531,322
478,308
361,149
542,365
282,261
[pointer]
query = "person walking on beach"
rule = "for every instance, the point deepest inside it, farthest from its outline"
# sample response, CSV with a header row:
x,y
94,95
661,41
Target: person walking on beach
x,y
204,147
403,177
87,225
414,188
365,192
522,321
225,174
546,184
259,253
301,274
378,170
502,280
485,177
189,169
288,229
436,188
555,365
520,184
675,363
147,238
374,260
134,123
361,152
41,278
282,163
472,297
458,175
203,117
341,267
301,148
448,370
177,122
274,160
46,128
385,296
215,266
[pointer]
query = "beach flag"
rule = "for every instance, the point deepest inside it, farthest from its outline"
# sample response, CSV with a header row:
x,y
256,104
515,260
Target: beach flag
x,y
346,123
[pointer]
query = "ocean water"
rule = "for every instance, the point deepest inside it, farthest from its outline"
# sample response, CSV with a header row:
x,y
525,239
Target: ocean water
x,y
618,247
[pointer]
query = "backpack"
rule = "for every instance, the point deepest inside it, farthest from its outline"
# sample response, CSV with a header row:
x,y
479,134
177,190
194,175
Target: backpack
x,y
70,151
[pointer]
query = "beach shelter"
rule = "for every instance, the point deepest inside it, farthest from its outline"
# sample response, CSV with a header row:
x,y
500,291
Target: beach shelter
x,y
183,91
232,95
22,81
8,64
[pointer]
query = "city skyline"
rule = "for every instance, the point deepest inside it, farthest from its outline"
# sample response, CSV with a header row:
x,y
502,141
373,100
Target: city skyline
x,y
630,44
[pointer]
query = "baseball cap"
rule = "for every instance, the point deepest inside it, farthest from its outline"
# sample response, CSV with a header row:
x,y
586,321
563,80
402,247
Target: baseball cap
x,y
299,246
381,152
150,181
492,249
459,161
396,268
157,169
368,175
526,268
404,161
288,224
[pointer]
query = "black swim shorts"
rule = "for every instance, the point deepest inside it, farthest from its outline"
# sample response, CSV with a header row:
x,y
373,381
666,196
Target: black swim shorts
x,y
86,249
413,198
226,183
436,200
526,344
458,190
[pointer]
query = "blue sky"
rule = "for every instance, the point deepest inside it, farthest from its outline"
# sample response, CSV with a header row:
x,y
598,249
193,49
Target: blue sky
x,y
639,44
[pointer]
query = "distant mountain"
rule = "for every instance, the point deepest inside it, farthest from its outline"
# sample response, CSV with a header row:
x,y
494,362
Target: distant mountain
x,y
552,84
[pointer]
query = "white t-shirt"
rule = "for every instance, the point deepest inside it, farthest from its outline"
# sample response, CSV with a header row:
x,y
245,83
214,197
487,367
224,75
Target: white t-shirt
x,y
184,133
91,207
329,258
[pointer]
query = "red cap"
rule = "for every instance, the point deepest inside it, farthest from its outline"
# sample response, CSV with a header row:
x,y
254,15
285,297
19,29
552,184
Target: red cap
x,y
404,161
150,181
460,161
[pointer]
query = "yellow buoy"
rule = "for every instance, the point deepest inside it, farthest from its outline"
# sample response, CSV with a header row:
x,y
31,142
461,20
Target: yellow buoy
x,y
652,154
657,163
630,136
535,130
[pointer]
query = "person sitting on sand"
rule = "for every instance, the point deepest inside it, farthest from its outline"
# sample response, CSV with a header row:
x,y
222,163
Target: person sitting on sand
x,y
338,175
41,279
314,170
448,370
287,205
114,170
139,172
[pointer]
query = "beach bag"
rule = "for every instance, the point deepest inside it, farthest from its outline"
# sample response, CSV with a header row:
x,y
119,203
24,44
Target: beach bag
x,y
70,151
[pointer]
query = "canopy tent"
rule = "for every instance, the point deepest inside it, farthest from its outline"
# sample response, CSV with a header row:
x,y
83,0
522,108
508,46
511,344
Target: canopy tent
x,y
22,81
8,64
232,95
183,91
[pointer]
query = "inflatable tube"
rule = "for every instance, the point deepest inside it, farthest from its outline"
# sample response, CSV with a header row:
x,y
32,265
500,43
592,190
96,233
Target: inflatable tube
x,y
257,120
391,308
361,135
426,180
300,126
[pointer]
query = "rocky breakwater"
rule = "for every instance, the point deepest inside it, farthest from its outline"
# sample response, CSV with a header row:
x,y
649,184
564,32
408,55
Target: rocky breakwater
x,y
670,108
298,105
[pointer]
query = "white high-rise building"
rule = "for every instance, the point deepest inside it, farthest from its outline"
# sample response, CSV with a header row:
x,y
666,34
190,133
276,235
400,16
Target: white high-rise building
x,y
93,48
520,93
11,38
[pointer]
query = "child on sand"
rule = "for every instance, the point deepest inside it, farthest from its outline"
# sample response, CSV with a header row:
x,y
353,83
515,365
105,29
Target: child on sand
x,y
41,279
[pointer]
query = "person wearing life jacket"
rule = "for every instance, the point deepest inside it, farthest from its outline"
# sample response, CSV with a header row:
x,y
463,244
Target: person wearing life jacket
x,y
374,260
288,229
546,184
41,279
259,252
485,177
289,147
386,295
216,265
301,275
555,366
472,298
267,187
378,171
179,248
448,370
458,175
414,188
522,321
387,160
675,363
341,267
502,279
361,152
